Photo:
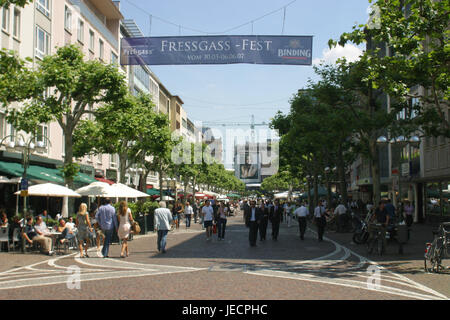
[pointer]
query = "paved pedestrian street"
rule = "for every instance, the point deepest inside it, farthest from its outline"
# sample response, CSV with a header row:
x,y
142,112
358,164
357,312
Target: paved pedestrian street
x,y
194,268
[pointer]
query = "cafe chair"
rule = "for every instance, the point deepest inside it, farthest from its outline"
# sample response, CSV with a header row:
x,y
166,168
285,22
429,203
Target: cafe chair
x,y
4,236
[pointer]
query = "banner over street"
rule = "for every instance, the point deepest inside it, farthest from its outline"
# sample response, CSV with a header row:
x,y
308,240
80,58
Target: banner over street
x,y
288,50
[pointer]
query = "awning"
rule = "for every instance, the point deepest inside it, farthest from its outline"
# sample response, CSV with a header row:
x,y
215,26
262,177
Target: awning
x,y
41,173
104,180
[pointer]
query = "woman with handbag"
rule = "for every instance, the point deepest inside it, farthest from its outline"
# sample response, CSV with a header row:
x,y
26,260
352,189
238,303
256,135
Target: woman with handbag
x,y
125,221
84,230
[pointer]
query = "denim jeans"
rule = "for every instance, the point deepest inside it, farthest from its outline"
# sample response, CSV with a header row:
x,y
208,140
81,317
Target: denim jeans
x,y
108,237
162,236
221,225
188,220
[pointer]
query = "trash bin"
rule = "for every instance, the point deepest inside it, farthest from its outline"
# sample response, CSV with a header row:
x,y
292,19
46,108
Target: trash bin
x,y
150,221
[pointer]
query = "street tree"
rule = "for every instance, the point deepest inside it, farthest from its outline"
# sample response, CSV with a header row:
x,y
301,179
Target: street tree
x,y
75,88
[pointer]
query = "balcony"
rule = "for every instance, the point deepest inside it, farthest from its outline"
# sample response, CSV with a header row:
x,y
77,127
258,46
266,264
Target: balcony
x,y
104,16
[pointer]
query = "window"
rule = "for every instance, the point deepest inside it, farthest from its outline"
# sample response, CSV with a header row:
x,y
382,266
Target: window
x,y
91,40
68,19
42,134
43,6
114,58
113,160
101,49
42,42
16,24
80,30
5,19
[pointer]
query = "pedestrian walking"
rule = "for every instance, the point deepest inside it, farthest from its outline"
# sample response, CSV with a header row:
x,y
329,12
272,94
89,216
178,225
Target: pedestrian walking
x,y
188,211
106,218
252,217
276,217
125,220
223,213
208,217
302,213
176,213
85,230
163,219
320,219
264,221
195,207
340,214
408,210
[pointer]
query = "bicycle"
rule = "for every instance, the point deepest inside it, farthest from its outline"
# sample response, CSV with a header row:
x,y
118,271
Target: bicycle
x,y
438,250
376,238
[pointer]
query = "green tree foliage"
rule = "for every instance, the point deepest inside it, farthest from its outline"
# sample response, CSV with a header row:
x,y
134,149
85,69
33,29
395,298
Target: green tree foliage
x,y
416,35
20,3
75,86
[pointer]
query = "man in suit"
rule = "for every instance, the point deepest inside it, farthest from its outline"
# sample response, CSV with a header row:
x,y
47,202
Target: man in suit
x,y
264,221
252,216
276,217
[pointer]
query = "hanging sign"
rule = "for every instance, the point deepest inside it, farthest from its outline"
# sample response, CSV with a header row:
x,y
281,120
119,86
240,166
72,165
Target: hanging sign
x,y
288,50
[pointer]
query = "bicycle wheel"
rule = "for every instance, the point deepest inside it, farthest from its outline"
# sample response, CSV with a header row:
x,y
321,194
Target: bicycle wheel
x,y
430,259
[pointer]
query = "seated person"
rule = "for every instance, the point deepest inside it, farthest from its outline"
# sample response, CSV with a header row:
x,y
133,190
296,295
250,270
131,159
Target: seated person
x,y
66,231
31,236
41,227
70,223
45,215
3,219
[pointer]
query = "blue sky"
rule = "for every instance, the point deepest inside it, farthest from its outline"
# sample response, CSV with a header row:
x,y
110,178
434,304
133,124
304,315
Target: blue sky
x,y
233,93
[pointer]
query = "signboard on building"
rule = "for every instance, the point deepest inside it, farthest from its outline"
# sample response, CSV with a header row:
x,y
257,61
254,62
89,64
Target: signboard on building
x,y
288,50
405,169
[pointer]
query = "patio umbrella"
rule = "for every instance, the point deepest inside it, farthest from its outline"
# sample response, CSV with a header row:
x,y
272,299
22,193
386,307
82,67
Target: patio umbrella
x,y
165,198
99,189
127,192
50,190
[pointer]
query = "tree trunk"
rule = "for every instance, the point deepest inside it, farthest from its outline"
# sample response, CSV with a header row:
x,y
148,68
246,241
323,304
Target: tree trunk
x,y
122,167
375,164
341,175
68,156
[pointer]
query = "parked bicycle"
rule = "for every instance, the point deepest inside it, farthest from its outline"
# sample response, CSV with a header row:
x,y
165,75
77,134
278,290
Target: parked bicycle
x,y
381,236
438,250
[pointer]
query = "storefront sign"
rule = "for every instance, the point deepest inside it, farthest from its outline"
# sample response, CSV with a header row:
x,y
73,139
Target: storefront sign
x,y
288,50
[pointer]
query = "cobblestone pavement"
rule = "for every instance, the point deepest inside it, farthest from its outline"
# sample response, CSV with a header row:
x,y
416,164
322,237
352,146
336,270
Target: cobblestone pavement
x,y
194,268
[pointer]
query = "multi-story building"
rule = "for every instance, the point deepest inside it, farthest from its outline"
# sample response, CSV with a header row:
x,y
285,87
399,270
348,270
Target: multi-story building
x,y
37,30
412,168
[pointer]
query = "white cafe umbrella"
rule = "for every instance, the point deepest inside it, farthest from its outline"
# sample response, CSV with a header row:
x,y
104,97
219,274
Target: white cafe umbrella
x,y
99,189
127,192
53,190
165,198
281,195
50,190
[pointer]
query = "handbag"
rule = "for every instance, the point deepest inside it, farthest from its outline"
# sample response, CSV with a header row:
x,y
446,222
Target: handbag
x,y
214,229
135,227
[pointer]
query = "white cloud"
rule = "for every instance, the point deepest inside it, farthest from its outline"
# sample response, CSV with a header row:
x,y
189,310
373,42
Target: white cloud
x,y
330,56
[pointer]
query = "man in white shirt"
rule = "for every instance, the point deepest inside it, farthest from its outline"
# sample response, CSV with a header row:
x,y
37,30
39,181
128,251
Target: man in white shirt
x,y
301,213
208,216
188,211
320,220
163,219
341,215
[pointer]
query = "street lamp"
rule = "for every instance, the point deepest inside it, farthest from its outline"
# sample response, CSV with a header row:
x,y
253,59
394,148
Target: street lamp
x,y
26,147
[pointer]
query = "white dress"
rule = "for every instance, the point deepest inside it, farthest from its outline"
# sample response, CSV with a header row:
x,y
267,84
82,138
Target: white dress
x,y
124,227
